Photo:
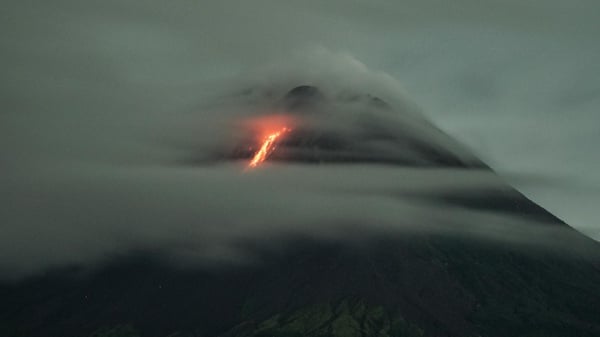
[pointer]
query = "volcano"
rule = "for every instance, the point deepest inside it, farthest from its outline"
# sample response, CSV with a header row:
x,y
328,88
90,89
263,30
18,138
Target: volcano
x,y
408,284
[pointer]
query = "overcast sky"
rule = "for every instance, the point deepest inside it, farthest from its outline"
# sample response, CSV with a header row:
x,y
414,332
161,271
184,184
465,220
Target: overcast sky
x,y
87,84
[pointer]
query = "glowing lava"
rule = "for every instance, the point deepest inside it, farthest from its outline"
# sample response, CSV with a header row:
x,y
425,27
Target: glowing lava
x,y
267,147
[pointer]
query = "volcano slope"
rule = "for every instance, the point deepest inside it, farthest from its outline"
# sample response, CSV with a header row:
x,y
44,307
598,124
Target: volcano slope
x,y
375,284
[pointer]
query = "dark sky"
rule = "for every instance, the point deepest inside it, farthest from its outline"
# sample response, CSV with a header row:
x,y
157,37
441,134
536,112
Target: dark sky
x,y
100,98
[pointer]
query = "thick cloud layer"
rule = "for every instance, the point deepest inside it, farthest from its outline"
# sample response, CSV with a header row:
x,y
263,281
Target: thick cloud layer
x,y
108,191
118,116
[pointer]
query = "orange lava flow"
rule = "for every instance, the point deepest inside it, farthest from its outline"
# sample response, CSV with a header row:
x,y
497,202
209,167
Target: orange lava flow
x,y
266,148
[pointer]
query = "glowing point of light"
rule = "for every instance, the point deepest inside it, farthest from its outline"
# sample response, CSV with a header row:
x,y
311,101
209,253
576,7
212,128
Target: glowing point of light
x,y
267,147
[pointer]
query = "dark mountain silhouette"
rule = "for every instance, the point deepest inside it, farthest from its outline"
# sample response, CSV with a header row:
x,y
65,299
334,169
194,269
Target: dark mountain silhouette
x,y
392,285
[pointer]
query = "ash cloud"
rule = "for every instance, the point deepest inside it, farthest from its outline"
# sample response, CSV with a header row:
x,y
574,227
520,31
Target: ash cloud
x,y
83,187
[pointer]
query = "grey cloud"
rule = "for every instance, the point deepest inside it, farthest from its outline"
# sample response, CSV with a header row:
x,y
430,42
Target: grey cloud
x,y
103,100
83,204
89,213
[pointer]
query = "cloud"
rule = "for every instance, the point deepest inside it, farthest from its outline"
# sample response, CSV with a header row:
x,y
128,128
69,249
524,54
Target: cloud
x,y
119,119
89,213
120,183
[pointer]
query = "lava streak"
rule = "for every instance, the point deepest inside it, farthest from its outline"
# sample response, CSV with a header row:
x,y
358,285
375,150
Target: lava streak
x,y
267,147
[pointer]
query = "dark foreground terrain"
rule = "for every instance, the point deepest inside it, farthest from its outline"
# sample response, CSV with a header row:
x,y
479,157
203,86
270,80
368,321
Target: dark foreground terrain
x,y
417,286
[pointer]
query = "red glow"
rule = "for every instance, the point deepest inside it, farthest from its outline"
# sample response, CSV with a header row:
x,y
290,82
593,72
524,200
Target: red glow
x,y
262,134
268,145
